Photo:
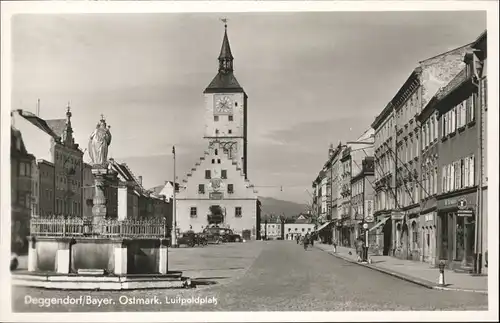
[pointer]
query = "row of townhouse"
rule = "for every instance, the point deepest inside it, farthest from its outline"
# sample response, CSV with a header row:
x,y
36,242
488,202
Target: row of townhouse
x,y
426,191
430,177
344,185
50,178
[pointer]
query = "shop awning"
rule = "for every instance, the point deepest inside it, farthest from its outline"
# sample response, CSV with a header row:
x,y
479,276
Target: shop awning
x,y
324,225
379,224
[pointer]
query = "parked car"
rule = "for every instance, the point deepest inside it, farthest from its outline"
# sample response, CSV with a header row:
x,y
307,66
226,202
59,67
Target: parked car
x,y
187,238
212,234
229,236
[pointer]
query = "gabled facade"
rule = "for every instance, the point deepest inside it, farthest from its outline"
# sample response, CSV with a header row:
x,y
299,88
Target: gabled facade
x,y
219,178
52,141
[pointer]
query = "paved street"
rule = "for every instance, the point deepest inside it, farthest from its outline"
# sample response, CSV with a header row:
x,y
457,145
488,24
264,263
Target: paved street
x,y
273,275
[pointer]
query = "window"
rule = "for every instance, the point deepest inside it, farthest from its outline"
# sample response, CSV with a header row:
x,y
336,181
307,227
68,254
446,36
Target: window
x,y
201,189
444,186
230,131
230,188
223,174
218,161
216,118
436,129
213,161
22,170
457,174
208,174
471,170
230,117
193,212
216,131
472,111
435,179
237,212
443,126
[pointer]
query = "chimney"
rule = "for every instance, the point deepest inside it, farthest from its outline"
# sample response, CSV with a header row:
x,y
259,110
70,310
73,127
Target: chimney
x,y
140,180
330,150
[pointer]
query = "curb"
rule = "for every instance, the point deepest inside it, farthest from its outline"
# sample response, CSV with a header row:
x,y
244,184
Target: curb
x,y
413,280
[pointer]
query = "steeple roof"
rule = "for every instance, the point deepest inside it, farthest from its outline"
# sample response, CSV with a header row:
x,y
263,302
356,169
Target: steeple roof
x,y
225,51
225,79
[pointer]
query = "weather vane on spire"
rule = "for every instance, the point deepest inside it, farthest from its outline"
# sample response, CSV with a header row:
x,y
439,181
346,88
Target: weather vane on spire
x,y
224,20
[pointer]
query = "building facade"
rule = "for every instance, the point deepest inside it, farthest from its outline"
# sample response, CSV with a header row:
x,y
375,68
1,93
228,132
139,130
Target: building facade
x,y
362,198
52,140
219,180
294,230
21,192
397,153
46,189
461,213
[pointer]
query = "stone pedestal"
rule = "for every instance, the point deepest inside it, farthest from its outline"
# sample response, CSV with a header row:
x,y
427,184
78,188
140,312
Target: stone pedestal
x,y
121,260
163,261
99,210
63,261
32,256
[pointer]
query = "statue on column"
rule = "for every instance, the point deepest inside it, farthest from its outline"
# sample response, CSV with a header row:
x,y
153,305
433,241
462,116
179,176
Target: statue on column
x,y
99,142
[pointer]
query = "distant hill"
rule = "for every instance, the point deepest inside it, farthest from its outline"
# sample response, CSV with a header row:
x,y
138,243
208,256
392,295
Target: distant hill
x,y
274,206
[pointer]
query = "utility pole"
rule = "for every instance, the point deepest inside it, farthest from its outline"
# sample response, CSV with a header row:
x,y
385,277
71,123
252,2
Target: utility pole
x,y
174,207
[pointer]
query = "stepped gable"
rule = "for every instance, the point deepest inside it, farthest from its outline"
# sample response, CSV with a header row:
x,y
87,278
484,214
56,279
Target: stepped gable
x,y
234,162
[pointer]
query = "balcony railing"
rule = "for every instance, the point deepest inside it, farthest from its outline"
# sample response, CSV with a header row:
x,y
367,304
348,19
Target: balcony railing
x,y
77,227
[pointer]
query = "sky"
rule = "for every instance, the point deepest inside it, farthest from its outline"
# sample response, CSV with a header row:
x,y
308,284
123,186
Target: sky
x,y
312,79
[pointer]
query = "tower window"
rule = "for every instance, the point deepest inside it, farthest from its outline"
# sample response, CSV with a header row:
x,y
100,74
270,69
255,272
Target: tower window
x,y
216,131
213,161
201,189
193,212
216,152
230,117
223,174
235,104
208,174
218,161
237,212
216,118
230,131
230,188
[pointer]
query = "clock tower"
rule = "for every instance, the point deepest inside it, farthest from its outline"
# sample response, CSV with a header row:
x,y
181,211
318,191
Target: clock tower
x,y
226,110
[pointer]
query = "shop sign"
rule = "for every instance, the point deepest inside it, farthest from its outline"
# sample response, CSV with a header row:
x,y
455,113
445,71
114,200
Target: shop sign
x,y
397,215
462,204
464,213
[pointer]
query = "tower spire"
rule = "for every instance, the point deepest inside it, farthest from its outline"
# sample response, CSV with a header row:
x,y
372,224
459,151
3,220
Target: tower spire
x,y
225,57
68,139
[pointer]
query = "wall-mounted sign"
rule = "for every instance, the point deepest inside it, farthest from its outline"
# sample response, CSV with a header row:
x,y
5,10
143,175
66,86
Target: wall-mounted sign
x,y
216,196
462,204
464,213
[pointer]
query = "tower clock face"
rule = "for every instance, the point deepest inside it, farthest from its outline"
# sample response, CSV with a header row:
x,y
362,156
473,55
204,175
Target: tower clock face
x,y
223,104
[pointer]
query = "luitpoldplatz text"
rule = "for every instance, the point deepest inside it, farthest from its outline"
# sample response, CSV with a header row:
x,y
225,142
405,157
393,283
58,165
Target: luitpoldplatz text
x,y
95,301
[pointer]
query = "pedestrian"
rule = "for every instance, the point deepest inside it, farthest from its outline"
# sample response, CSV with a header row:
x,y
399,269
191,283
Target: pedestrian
x,y
306,241
313,236
335,245
297,237
359,248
